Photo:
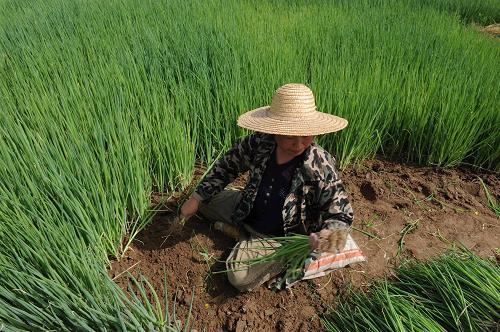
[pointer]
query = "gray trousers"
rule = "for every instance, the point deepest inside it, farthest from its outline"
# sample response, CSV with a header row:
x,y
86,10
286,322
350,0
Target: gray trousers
x,y
241,275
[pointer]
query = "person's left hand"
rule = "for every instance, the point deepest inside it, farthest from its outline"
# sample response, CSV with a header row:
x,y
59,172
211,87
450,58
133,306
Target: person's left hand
x,y
329,240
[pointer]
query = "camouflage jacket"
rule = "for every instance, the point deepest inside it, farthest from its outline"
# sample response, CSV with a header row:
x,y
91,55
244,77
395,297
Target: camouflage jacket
x,y
317,198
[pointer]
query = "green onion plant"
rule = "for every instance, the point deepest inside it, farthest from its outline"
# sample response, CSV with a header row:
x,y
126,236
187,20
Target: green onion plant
x,y
457,292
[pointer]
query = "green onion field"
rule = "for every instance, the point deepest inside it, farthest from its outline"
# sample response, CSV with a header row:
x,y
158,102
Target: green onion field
x,y
103,103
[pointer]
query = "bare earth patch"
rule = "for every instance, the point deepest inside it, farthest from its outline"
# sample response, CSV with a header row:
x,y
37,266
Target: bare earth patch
x,y
493,29
401,212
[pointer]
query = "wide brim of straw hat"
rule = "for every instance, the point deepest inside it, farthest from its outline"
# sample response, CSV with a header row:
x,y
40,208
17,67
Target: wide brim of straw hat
x,y
292,112
316,124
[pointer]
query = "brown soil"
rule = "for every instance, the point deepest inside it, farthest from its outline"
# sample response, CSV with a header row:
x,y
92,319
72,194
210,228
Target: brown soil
x,y
493,29
445,207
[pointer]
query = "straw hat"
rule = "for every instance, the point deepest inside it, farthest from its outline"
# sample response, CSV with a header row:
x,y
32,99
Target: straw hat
x,y
292,112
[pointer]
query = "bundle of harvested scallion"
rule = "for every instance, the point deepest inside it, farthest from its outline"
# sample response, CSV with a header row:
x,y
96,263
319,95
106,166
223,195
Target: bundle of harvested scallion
x,y
291,251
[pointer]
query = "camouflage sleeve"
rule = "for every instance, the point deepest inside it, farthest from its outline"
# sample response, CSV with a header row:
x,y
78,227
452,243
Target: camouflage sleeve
x,y
336,211
227,168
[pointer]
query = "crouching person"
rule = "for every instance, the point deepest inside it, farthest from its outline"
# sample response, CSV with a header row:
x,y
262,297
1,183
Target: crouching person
x,y
293,187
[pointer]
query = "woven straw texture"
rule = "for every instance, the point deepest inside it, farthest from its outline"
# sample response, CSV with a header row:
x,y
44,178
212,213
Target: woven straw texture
x,y
292,112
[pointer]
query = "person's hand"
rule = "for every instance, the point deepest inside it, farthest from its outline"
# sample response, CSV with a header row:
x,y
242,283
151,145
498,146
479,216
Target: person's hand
x,y
329,240
189,208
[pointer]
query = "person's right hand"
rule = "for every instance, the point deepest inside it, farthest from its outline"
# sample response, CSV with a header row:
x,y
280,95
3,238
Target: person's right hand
x,y
329,240
189,208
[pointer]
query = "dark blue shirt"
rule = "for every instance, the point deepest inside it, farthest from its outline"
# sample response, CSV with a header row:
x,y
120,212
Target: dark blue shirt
x,y
266,215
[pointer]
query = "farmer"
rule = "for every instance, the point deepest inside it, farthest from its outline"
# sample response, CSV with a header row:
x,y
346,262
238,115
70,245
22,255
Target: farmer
x,y
293,185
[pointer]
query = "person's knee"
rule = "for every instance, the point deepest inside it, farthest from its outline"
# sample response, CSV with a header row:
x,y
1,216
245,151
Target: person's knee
x,y
240,280
221,206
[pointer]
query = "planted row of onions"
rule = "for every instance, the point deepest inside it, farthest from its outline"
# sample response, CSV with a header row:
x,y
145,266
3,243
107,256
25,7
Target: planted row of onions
x,y
457,292
67,199
102,102
477,12
197,66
